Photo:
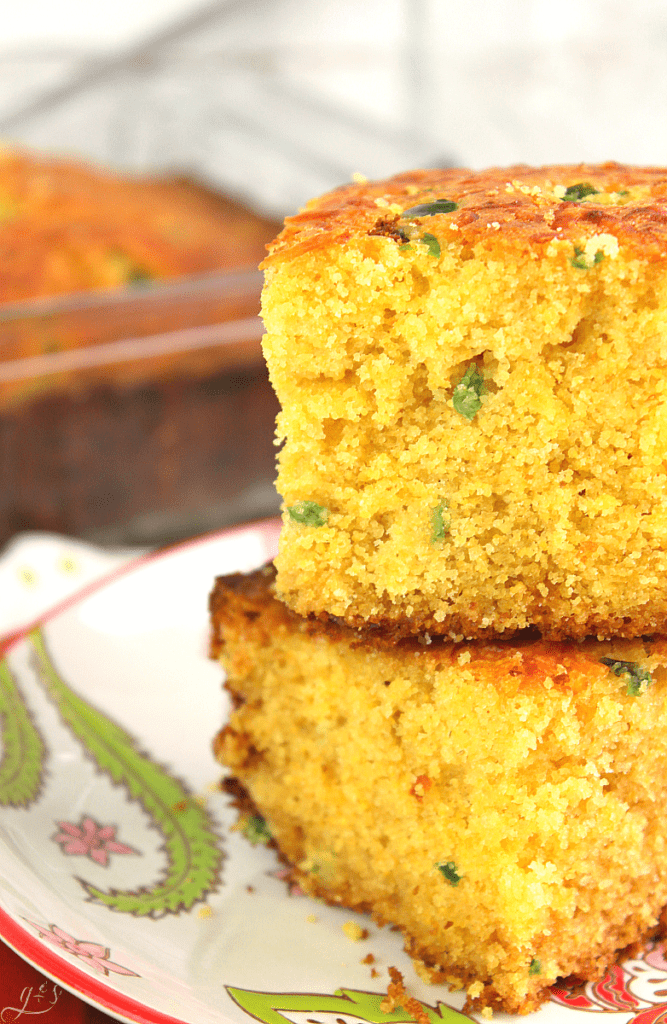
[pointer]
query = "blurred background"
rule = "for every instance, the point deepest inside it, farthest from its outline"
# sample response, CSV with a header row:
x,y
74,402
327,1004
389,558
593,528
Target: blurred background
x,y
142,414
279,100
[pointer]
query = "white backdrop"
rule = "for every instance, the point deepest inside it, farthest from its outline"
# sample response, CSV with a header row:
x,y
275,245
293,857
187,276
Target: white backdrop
x,y
277,100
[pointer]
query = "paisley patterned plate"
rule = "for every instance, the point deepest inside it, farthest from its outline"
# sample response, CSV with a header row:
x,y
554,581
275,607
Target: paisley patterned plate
x,y
121,877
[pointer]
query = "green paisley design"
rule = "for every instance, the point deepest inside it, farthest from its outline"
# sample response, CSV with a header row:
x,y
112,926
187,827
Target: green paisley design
x,y
191,845
23,750
271,1007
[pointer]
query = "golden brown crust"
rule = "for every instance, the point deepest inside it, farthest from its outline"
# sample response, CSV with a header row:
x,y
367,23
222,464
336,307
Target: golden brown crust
x,y
241,596
646,623
245,604
523,215
242,601
68,227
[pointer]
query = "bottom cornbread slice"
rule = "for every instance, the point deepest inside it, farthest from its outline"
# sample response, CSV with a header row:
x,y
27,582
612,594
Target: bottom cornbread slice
x,y
503,803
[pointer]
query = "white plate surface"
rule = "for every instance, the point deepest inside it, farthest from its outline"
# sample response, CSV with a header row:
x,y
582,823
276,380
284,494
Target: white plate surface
x,y
120,876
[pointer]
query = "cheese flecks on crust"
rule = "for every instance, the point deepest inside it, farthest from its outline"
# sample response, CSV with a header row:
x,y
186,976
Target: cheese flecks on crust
x,y
631,204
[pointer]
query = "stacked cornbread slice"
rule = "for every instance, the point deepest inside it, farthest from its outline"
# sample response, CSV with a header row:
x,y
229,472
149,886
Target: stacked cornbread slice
x,y
471,369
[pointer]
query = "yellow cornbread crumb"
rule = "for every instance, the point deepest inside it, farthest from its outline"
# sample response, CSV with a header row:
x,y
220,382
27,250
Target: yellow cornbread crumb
x,y
204,912
506,813
354,931
479,414
312,919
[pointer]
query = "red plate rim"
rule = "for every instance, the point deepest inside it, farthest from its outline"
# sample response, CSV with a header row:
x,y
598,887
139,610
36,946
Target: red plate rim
x,y
74,979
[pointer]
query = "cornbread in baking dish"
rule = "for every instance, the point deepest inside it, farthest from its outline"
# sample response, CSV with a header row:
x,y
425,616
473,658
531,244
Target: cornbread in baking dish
x,y
502,803
471,369
95,444
68,226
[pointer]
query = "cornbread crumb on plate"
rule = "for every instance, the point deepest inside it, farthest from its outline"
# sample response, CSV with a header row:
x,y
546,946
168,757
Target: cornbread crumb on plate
x,y
506,813
354,931
397,996
471,369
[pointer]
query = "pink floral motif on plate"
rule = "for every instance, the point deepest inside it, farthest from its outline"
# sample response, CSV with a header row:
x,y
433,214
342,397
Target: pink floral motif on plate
x,y
90,839
92,953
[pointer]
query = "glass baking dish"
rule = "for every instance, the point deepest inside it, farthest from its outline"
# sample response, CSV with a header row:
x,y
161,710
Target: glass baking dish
x,y
138,415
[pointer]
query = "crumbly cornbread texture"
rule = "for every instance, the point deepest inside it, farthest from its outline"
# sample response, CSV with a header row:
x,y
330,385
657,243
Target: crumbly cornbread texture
x,y
471,368
502,803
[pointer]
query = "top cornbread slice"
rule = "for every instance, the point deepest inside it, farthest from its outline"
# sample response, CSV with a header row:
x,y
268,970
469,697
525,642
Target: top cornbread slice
x,y
473,401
